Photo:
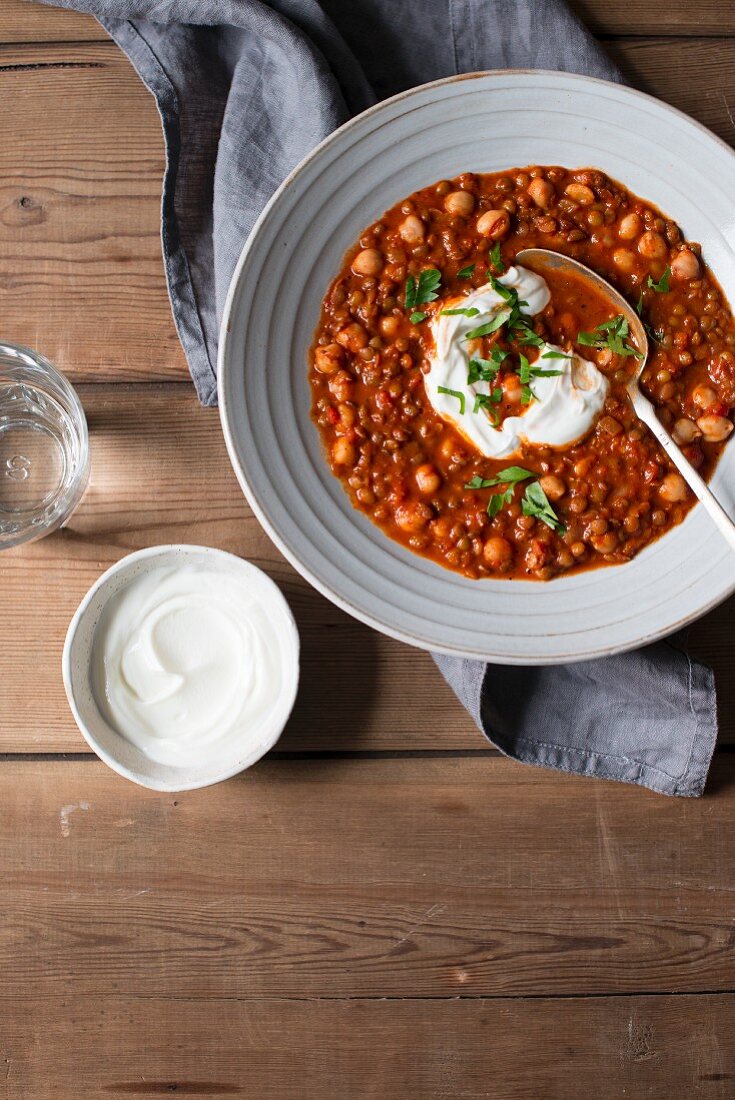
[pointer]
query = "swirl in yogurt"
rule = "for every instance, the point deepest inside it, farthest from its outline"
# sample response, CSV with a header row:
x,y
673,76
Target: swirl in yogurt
x,y
565,406
188,662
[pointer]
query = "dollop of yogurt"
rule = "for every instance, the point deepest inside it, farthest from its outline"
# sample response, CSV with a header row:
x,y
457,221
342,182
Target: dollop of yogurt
x,y
565,406
189,662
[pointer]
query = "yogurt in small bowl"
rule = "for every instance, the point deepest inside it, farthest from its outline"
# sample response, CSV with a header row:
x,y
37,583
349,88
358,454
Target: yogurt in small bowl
x,y
181,666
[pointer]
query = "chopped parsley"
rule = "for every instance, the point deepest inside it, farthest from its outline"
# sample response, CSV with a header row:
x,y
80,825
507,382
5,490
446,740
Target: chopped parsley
x,y
466,272
496,259
662,286
639,304
509,477
454,393
493,325
527,373
471,312
484,370
525,335
610,334
420,292
482,400
536,503
556,355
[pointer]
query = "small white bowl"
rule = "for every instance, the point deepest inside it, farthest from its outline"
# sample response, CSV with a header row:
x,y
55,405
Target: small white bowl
x,y
118,753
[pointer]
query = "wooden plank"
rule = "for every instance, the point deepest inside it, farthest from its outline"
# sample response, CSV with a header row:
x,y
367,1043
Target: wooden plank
x,y
119,1046
23,21
651,17
362,878
160,473
81,276
81,162
28,21
694,75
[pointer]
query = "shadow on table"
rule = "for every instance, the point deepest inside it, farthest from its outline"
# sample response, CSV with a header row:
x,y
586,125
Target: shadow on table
x,y
339,679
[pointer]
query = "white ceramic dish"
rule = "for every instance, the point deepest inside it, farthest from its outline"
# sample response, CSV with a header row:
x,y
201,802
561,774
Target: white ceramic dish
x,y
484,123
122,756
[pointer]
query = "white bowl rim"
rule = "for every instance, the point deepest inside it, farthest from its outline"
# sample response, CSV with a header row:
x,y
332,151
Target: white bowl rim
x,y
223,356
149,554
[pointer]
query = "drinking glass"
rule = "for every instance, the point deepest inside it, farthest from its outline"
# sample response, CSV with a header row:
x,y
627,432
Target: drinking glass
x,y
44,447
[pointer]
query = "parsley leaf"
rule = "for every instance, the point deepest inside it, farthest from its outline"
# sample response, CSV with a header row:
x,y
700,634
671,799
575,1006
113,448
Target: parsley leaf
x,y
482,400
527,336
662,286
536,503
639,304
483,370
527,373
418,317
466,272
454,393
556,355
426,289
610,334
496,260
511,475
490,326
471,312
497,500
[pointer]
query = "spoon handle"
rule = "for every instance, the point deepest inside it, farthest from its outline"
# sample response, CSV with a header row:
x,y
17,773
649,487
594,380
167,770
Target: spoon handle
x,y
646,412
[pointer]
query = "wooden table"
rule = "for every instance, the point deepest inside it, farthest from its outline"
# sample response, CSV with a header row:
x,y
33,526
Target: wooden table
x,y
385,907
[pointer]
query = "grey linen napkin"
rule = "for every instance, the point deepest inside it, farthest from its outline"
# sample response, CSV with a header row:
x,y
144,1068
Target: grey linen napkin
x,y
245,88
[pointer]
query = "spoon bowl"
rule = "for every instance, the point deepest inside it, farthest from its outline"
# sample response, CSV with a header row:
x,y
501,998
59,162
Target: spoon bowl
x,y
543,260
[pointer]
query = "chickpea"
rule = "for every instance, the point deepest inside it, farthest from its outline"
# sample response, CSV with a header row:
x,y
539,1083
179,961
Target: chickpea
x,y
652,246
630,227
494,224
340,385
368,262
347,415
605,544
610,425
581,193
389,326
412,517
685,431
673,489
512,389
412,230
353,337
715,428
328,359
343,452
703,396
624,259
685,265
497,552
459,203
542,192
427,478
553,486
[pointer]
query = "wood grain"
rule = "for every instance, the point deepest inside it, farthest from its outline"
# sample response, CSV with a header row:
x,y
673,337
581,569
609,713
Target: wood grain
x,y
119,1046
348,877
81,160
652,17
81,163
23,21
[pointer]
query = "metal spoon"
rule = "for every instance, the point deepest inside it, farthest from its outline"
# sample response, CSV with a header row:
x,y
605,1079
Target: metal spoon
x,y
542,259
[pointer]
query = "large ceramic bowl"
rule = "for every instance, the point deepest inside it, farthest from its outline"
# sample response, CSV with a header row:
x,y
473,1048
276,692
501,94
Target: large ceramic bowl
x,y
482,123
